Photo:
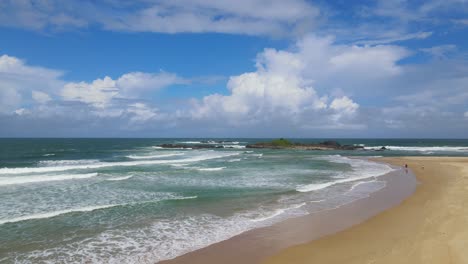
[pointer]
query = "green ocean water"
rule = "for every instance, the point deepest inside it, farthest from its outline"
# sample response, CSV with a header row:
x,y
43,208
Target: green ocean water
x,y
129,201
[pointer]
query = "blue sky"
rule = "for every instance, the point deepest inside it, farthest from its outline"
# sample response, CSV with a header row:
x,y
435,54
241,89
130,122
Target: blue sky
x,y
234,68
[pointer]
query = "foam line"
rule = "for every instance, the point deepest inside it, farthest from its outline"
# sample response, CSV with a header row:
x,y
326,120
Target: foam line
x,y
43,178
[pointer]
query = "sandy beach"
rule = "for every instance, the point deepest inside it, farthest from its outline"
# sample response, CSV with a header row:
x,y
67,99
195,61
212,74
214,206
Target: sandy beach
x,y
428,227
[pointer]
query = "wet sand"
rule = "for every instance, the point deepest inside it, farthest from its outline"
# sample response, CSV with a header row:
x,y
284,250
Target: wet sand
x,y
256,245
431,226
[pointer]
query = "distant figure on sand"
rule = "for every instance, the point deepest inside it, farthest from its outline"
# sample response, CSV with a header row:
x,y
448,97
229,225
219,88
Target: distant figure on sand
x,y
406,168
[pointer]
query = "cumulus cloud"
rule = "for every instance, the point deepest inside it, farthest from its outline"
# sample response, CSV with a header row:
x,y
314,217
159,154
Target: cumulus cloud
x,y
282,87
100,92
18,80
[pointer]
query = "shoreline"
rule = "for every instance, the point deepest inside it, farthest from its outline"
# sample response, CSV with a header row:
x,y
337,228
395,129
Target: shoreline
x,y
428,227
255,245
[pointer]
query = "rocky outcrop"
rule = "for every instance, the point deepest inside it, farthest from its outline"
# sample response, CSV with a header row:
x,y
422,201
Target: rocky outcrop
x,y
326,145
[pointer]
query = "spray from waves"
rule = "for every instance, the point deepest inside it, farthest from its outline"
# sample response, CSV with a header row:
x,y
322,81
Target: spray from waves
x,y
423,149
43,178
120,178
206,156
154,156
362,169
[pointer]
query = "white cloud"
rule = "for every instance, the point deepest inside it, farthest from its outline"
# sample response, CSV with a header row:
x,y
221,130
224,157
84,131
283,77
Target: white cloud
x,y
135,82
344,104
281,87
10,99
100,92
441,51
18,80
141,112
40,97
466,114
254,17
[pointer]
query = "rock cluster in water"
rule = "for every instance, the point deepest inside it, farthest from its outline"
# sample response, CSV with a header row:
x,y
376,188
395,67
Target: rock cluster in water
x,y
283,144
275,144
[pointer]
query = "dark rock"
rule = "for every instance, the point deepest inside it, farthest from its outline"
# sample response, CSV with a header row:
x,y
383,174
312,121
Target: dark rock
x,y
330,143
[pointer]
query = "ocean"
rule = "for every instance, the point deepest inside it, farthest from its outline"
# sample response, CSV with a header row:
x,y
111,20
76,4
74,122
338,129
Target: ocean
x,y
131,201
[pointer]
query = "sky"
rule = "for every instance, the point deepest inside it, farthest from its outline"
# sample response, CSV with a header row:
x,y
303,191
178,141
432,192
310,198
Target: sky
x,y
234,68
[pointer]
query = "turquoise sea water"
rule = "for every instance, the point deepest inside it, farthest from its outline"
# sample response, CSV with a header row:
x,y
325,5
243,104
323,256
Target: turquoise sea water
x,y
129,201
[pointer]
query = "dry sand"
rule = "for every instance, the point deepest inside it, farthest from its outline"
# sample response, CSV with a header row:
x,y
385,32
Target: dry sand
x,y
431,226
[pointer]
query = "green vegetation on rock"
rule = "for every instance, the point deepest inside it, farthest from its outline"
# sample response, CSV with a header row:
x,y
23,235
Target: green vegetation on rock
x,y
281,142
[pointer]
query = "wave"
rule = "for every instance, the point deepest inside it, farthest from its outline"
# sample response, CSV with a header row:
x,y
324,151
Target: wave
x,y
316,186
211,169
208,156
185,198
68,162
190,142
361,169
57,213
234,146
277,213
48,154
423,149
366,183
84,209
120,178
154,156
43,178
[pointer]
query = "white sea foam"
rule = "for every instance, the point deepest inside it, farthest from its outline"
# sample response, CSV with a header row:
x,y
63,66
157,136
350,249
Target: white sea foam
x,y
423,149
184,198
85,209
317,186
203,156
381,183
361,169
120,178
154,156
211,169
56,213
48,154
5,180
278,212
163,239
234,146
68,162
